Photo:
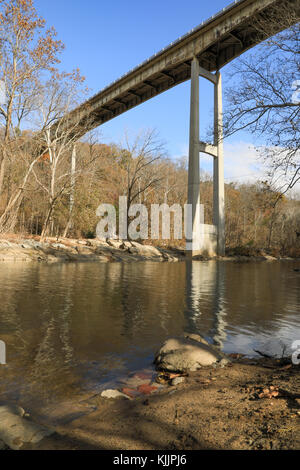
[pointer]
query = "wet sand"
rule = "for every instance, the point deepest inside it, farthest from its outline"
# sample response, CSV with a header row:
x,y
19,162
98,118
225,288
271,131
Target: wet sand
x,y
249,404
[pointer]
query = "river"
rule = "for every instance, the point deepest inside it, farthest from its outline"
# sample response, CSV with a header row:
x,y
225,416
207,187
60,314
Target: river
x,y
73,329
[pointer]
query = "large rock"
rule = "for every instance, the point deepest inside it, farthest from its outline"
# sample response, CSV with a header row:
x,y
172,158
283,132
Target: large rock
x,y
147,250
16,430
186,354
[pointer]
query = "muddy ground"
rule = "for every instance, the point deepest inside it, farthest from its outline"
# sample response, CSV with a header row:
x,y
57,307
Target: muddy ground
x,y
249,404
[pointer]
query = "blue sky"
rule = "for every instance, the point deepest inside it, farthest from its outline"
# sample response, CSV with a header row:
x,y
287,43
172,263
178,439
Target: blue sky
x,y
106,39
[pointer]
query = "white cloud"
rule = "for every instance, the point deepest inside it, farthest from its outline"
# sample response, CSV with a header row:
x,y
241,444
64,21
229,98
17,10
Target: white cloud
x,y
242,163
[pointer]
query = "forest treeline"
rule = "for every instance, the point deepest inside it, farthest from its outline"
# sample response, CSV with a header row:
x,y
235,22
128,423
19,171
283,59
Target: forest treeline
x,y
257,218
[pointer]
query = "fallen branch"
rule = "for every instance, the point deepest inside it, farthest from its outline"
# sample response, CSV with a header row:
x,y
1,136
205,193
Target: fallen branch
x,y
263,354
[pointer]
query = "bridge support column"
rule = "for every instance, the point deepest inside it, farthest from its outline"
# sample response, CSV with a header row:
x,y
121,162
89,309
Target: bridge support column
x,y
206,239
193,239
218,178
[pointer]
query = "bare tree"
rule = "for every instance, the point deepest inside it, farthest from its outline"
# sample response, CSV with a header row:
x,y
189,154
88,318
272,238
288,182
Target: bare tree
x,y
23,149
58,136
262,98
139,160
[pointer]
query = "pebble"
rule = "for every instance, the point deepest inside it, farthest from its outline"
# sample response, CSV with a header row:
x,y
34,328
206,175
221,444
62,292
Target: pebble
x,y
113,394
178,380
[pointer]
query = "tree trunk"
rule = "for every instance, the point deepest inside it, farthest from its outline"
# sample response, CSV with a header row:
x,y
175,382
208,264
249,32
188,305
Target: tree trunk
x,y
47,220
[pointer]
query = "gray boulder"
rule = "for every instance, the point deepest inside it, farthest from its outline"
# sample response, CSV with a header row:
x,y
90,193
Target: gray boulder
x,y
146,250
186,354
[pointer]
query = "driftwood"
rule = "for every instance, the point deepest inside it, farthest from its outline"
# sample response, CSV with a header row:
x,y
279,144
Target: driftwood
x,y
263,354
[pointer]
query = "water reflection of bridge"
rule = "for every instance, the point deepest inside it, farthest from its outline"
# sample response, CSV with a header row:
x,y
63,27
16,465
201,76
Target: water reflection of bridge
x,y
200,277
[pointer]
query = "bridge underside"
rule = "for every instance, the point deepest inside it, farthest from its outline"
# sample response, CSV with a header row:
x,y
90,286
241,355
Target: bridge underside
x,y
214,57
214,44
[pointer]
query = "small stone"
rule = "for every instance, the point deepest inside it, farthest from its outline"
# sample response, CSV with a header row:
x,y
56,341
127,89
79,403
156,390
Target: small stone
x,y
178,381
113,394
195,337
224,362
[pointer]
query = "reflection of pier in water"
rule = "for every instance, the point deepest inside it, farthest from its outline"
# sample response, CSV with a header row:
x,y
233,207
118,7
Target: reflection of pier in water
x,y
200,277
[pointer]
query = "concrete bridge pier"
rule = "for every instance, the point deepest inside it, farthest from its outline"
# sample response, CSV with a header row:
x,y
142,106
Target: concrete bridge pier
x,y
193,238
219,187
206,239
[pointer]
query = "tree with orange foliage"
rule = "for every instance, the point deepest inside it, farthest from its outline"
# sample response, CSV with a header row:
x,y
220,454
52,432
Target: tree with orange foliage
x,y
27,49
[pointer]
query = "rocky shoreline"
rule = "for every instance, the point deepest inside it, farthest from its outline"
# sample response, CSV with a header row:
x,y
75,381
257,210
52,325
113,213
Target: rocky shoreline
x,y
192,401
67,250
54,250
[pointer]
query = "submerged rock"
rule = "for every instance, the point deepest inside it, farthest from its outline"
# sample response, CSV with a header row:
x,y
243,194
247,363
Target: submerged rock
x,y
186,354
16,430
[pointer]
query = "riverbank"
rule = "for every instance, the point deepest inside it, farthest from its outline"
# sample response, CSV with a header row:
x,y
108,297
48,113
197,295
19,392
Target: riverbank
x,y
59,250
248,404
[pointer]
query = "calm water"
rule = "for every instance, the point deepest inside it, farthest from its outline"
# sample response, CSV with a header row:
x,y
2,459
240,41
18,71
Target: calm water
x,y
72,328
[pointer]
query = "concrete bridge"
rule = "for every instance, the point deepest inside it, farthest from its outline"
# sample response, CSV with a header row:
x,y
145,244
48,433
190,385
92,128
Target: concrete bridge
x,y
201,52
